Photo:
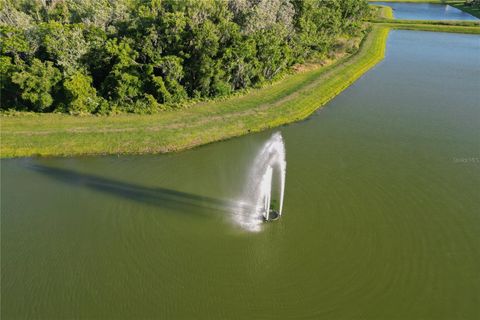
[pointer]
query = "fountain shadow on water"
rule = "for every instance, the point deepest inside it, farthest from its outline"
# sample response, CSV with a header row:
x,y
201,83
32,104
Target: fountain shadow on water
x,y
157,196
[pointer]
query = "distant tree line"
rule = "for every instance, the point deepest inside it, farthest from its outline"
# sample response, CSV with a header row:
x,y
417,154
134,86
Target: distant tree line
x,y
102,56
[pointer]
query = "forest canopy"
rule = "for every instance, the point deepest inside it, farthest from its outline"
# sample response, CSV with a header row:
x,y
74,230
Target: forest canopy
x,y
103,56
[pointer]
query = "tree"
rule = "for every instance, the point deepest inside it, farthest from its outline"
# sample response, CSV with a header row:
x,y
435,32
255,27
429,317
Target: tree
x,y
257,15
65,44
37,83
124,82
81,96
146,55
12,17
200,64
167,85
240,61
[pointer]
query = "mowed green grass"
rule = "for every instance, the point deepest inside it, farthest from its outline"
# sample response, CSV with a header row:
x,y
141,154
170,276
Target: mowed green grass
x,y
436,26
457,23
384,12
292,99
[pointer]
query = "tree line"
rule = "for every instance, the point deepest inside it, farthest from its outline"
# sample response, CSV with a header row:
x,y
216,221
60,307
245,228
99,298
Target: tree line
x,y
103,56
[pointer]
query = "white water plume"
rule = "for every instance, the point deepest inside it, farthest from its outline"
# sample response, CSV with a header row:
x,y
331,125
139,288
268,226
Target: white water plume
x,y
265,186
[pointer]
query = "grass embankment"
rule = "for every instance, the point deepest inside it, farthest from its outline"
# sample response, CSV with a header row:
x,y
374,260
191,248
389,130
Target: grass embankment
x,y
383,12
289,100
425,26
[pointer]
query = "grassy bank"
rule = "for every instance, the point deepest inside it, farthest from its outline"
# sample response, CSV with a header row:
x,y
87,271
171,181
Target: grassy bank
x,y
382,12
292,99
431,27
458,23
470,27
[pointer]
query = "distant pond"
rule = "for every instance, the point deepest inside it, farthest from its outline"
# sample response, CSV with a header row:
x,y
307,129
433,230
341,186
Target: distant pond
x,y
426,11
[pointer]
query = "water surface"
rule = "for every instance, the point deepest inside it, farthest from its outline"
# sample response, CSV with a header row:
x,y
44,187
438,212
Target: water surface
x,y
426,11
380,221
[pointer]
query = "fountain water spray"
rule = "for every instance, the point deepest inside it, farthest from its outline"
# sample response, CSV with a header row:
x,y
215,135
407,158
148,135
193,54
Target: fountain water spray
x,y
265,187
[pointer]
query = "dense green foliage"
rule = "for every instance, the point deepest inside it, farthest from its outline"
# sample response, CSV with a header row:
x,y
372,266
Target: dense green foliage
x,y
294,98
101,56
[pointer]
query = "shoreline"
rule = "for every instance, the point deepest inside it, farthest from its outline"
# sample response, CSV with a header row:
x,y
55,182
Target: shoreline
x,y
30,135
432,27
290,99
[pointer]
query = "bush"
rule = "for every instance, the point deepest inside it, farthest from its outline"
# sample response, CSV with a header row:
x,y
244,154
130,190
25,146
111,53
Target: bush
x,y
37,82
80,95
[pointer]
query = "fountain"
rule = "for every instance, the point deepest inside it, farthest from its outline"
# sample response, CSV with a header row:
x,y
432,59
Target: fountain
x,y
262,198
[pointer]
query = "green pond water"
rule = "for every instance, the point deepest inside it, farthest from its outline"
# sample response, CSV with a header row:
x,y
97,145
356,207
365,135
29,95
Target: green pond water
x,y
381,217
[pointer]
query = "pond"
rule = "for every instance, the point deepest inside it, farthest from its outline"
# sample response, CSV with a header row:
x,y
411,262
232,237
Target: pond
x,y
426,11
380,219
